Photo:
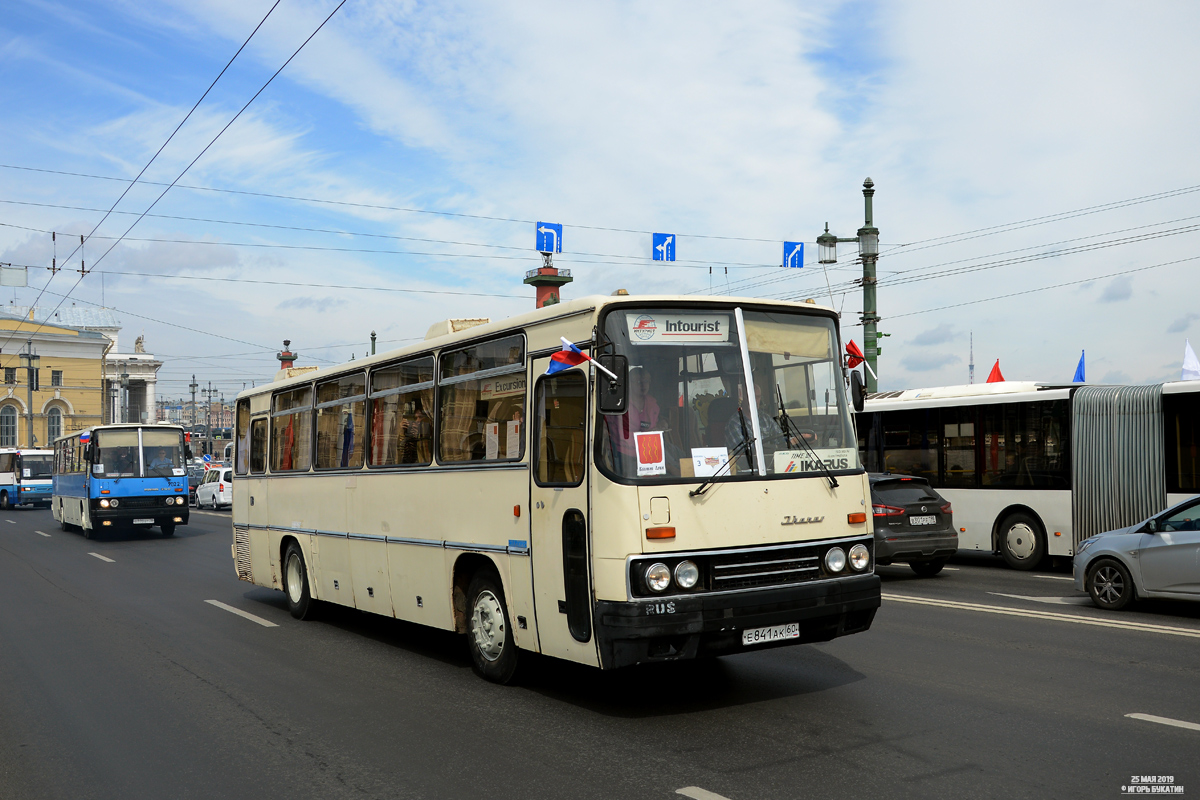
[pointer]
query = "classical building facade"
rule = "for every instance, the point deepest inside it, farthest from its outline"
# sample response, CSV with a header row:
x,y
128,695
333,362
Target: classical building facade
x,y
67,393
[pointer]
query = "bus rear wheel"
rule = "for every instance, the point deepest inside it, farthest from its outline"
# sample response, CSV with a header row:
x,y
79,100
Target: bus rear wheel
x,y
489,634
295,583
1021,542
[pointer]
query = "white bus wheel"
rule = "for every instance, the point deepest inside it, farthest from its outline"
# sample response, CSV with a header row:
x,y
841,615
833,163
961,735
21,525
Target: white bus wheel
x,y
1021,542
295,583
489,634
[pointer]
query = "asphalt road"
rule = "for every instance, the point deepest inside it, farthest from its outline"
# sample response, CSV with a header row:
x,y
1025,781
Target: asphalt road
x,y
119,680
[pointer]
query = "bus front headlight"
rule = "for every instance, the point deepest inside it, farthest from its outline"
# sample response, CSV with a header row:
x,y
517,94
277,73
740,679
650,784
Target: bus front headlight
x,y
114,502
860,556
686,574
835,559
658,577
104,503
179,500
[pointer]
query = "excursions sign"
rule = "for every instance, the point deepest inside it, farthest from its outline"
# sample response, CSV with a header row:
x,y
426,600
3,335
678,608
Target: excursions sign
x,y
658,328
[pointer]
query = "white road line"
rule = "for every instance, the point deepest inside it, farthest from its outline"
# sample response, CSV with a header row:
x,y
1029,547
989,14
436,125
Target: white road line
x,y
952,569
696,793
1176,723
40,533
102,558
241,613
10,522
1046,615
1055,577
1054,601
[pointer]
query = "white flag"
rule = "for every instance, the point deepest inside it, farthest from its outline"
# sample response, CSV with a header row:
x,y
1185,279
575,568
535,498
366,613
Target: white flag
x,y
1191,366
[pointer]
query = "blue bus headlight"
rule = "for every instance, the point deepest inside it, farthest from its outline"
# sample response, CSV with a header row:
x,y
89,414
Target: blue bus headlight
x,y
114,502
104,503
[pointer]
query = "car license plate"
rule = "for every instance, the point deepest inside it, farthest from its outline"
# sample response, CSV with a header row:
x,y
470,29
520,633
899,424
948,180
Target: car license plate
x,y
929,520
771,634
143,522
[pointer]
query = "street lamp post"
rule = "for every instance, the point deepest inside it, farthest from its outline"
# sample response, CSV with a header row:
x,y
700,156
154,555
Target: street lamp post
x,y
31,361
868,248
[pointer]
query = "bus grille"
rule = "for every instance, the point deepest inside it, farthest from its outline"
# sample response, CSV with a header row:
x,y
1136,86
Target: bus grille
x,y
241,548
770,568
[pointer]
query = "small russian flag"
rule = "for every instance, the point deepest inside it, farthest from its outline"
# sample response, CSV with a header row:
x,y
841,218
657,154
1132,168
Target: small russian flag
x,y
86,436
572,356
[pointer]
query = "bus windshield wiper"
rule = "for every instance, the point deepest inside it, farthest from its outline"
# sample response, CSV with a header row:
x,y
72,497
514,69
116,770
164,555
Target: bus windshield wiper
x,y
785,422
737,451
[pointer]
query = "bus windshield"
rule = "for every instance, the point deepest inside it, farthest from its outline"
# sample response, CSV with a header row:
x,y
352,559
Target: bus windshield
x,y
37,467
117,454
688,408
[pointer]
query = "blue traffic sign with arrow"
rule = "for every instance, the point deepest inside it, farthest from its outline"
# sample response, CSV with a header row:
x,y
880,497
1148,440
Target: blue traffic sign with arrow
x,y
793,254
664,247
549,237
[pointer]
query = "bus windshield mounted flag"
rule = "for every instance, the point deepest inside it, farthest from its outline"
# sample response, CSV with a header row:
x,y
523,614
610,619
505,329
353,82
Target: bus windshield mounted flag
x,y
572,356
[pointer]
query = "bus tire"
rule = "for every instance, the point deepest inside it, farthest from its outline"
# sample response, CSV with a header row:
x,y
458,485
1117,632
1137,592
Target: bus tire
x,y
168,529
489,634
1110,585
295,583
1021,541
5,505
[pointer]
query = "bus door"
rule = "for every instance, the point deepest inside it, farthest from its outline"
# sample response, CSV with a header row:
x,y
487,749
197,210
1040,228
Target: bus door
x,y
559,523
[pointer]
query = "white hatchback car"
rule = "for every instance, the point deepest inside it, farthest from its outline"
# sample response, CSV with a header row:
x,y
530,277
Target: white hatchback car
x,y
217,488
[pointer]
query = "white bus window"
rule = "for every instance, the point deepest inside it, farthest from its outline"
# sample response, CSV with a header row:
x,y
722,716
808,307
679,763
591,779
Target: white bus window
x,y
482,402
561,415
291,430
258,446
341,422
402,414
242,428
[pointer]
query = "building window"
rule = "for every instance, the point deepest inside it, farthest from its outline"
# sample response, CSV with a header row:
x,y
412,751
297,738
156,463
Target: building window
x,y
56,377
53,421
10,375
8,426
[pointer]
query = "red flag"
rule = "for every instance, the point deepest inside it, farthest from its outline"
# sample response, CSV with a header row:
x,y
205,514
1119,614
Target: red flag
x,y
995,376
854,356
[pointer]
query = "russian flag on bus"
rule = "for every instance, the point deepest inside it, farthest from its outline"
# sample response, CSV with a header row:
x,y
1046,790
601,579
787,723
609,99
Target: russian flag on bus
x,y
85,437
569,356
572,356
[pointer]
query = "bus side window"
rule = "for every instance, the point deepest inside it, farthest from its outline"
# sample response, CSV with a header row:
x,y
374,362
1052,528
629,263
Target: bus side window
x,y
481,402
291,430
560,407
242,431
258,446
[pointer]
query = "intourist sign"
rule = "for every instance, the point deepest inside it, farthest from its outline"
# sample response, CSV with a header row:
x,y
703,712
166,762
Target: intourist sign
x,y
678,328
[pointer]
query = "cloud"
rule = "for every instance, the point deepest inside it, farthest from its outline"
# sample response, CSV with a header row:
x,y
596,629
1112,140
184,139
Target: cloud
x,y
318,304
1119,290
1183,323
940,335
925,362
1116,376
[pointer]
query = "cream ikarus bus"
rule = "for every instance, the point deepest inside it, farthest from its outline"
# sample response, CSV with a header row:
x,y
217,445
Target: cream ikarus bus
x,y
667,512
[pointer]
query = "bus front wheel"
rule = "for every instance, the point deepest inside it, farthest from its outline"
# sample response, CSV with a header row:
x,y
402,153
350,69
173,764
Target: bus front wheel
x,y
168,529
295,583
489,635
1021,542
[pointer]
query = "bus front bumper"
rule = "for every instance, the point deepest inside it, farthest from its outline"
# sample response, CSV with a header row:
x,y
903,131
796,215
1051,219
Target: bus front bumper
x,y
125,517
686,626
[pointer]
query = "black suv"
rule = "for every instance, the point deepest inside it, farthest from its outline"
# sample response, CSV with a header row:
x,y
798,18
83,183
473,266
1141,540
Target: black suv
x,y
913,523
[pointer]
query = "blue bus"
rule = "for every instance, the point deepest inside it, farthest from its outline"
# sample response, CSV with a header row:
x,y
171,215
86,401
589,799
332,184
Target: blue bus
x,y
121,477
25,477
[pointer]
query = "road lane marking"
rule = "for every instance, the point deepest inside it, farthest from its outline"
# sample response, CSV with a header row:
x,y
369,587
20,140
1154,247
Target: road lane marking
x,y
952,569
1046,615
10,522
1176,723
241,613
696,793
102,558
1058,601
1055,577
40,533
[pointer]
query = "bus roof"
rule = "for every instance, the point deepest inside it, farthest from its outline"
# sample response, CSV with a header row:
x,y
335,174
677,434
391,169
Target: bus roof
x,y
567,308
999,392
118,426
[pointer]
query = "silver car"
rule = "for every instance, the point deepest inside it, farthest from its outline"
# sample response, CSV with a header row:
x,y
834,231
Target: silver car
x,y
1159,557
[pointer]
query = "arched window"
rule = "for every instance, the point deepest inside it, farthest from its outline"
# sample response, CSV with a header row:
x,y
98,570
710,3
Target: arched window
x,y
8,426
53,424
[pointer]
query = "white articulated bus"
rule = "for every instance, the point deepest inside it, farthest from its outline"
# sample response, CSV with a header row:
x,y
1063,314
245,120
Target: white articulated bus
x,y
1033,469
659,515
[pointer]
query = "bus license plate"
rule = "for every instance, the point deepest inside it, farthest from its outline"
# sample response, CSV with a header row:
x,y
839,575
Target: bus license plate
x,y
771,634
929,520
143,522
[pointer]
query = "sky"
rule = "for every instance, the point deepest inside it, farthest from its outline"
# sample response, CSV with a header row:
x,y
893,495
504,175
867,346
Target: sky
x,y
1034,164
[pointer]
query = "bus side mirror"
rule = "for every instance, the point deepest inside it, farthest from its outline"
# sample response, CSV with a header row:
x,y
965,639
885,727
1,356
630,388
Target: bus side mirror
x,y
187,452
858,390
87,452
614,394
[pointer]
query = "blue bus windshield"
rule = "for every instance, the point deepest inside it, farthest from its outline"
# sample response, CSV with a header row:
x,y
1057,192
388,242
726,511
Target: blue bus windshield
x,y
118,454
37,467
